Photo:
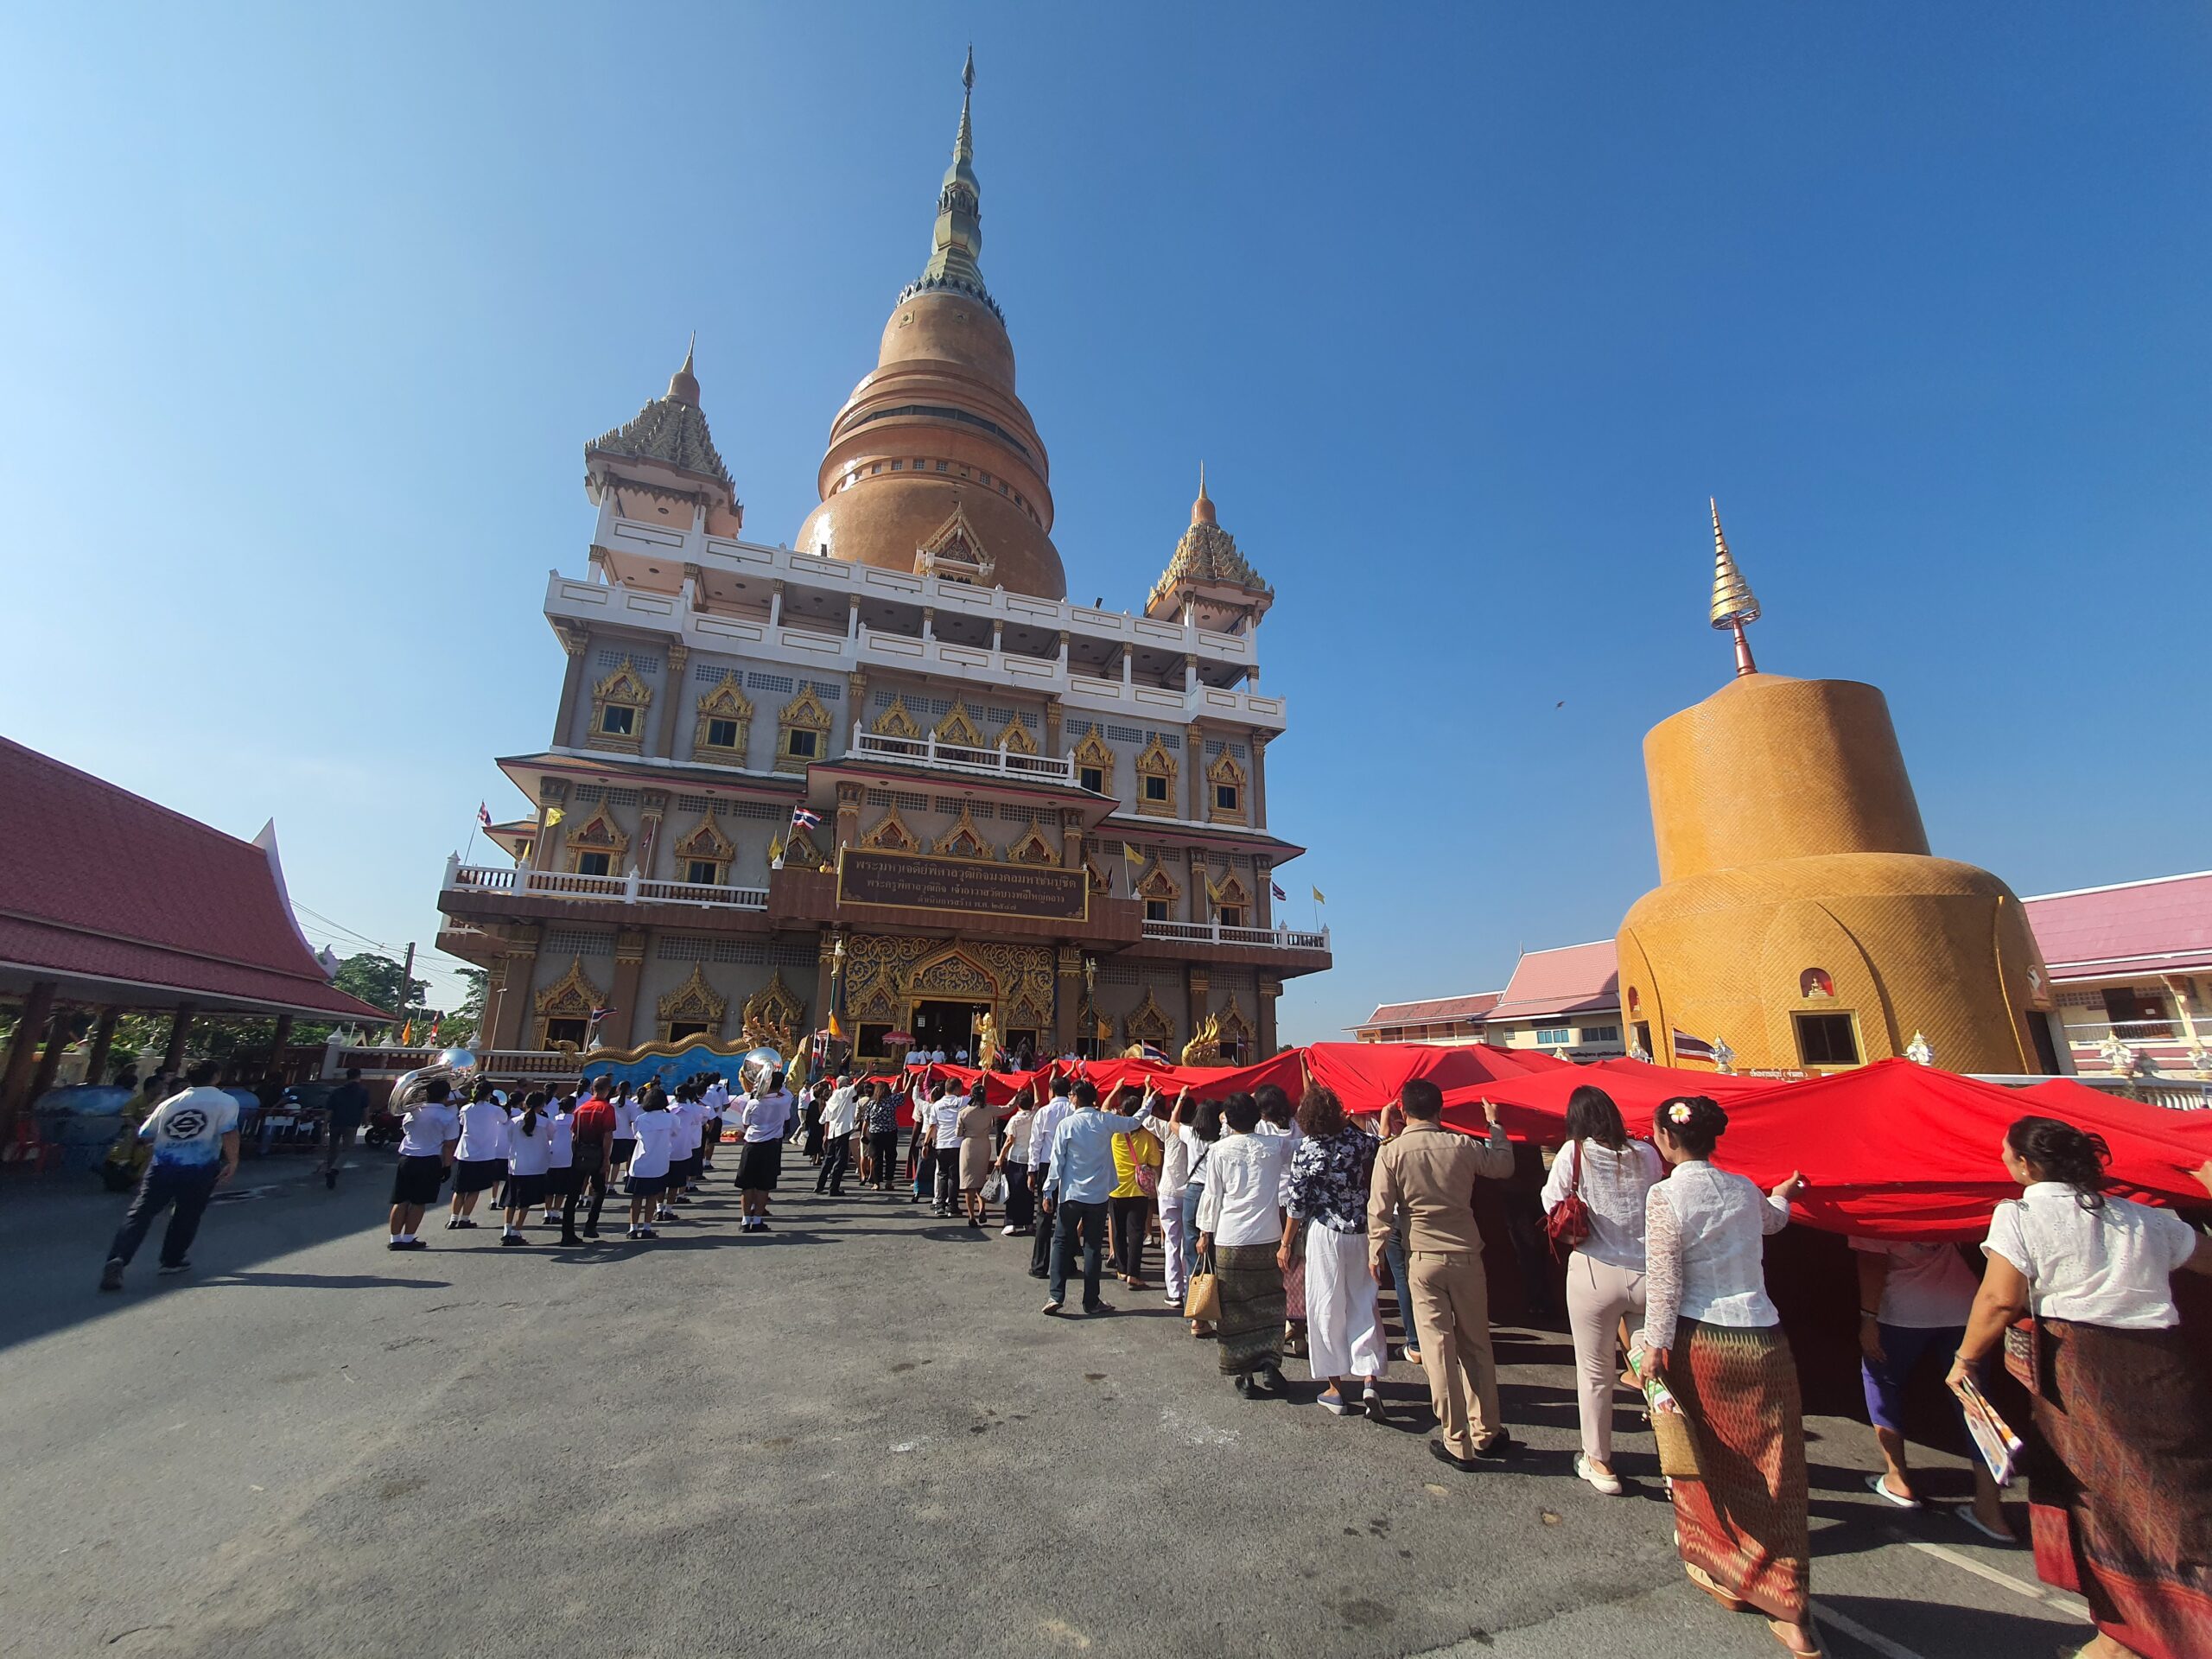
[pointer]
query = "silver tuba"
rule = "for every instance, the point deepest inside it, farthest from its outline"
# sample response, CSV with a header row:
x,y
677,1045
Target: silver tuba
x,y
456,1067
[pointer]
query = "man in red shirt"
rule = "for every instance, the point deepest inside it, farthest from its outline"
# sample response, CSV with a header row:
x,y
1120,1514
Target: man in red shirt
x,y
593,1136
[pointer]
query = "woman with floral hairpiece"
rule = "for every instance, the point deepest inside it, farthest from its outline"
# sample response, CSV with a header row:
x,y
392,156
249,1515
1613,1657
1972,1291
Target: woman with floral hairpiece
x,y
1710,1329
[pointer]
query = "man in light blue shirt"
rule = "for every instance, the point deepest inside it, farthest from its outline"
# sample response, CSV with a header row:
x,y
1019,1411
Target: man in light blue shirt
x,y
1080,1181
1040,1165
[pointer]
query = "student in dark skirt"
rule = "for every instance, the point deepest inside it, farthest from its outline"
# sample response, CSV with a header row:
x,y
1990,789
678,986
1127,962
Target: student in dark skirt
x,y
649,1160
625,1129
428,1135
529,1161
481,1164
766,1119
561,1178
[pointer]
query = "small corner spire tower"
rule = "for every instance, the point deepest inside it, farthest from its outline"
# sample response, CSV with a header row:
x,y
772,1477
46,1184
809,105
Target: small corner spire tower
x,y
662,463
1734,605
1208,574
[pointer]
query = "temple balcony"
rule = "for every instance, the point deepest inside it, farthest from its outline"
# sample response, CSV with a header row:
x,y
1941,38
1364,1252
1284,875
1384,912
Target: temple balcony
x,y
928,750
478,883
1295,939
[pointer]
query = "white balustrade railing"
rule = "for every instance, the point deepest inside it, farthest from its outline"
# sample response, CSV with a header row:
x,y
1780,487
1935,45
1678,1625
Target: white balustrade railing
x,y
928,750
623,889
1271,938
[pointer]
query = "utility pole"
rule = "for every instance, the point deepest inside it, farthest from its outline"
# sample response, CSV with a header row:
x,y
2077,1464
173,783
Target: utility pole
x,y
406,983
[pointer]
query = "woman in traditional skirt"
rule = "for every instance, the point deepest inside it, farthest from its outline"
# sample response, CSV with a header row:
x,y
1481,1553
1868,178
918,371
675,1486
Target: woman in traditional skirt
x,y
1240,1223
2119,1445
1277,1117
481,1161
1710,1329
977,1126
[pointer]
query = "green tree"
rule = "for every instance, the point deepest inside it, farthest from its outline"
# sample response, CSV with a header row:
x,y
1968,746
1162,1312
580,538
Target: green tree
x,y
465,1024
380,982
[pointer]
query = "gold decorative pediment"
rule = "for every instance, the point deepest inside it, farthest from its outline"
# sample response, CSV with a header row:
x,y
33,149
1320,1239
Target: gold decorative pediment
x,y
693,1002
1093,752
573,993
890,834
1013,737
599,834
954,552
963,839
895,722
801,849
1231,1024
1032,848
708,841
775,1016
1149,1023
802,732
953,973
1225,773
1099,883
727,701
1158,884
959,728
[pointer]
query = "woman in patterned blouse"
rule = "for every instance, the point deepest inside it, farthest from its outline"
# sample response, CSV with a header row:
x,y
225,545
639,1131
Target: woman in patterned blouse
x,y
1325,1192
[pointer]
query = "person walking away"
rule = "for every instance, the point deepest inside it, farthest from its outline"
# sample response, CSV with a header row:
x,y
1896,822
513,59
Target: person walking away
x,y
343,1115
1240,1230
1324,1199
1137,1157
1431,1171
194,1137
592,1133
921,1161
978,1128
1610,1174
1711,1331
655,1138
1390,1124
1913,1298
1204,1131
945,1146
714,1097
626,1107
837,1119
1076,1189
429,1136
530,1160
560,1176
1013,1164
2119,1438
1041,1135
765,1119
1277,1118
482,1161
883,1134
1175,1144
813,1097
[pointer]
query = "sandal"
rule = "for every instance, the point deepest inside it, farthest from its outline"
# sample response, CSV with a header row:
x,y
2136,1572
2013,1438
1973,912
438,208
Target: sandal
x,y
1704,1581
1777,1627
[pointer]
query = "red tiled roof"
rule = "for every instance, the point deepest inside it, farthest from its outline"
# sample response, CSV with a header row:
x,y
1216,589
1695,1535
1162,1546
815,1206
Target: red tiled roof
x,y
1569,979
99,884
1434,1009
2161,925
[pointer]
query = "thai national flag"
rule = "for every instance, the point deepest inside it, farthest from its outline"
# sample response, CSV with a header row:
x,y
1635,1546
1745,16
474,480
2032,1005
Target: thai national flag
x,y
483,815
1154,1051
1687,1047
803,819
1275,889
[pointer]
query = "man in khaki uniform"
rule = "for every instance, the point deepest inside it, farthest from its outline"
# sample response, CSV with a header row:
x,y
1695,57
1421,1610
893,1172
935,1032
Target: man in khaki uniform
x,y
1431,1171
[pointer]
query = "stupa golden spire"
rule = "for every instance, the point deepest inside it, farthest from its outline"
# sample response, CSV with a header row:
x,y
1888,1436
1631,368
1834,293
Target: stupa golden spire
x,y
1733,603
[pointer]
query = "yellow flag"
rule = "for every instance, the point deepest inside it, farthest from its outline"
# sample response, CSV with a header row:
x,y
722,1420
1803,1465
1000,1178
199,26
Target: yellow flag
x,y
775,849
836,1026
553,816
1105,1030
407,1035
1132,855
1317,899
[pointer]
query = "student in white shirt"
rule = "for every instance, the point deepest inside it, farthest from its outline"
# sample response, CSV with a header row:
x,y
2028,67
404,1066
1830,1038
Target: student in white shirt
x,y
529,1159
562,1176
481,1162
626,1107
945,1147
837,1119
920,1161
428,1135
1014,1162
654,1131
767,1118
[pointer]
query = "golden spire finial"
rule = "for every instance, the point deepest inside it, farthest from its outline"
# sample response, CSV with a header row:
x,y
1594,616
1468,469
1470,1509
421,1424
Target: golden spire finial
x,y
1202,509
684,384
1733,603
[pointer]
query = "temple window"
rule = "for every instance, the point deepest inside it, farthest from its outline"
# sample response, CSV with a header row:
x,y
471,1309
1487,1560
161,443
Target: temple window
x,y
1826,1038
801,744
592,864
620,721
1226,797
1814,982
1092,778
566,1031
1601,1034
1155,789
802,731
721,734
1232,916
618,708
1155,909
680,1029
703,872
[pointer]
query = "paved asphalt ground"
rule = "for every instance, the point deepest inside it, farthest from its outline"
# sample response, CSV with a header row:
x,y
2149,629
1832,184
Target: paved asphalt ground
x,y
854,1436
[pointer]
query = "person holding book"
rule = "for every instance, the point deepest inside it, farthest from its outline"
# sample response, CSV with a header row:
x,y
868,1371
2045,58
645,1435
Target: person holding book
x,y
2119,1441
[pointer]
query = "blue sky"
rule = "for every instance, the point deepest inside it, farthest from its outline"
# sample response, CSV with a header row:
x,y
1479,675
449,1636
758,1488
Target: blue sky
x,y
308,312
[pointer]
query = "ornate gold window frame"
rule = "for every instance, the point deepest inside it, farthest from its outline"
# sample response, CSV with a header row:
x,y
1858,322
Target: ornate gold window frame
x,y
803,713
1149,1023
727,701
890,834
1156,762
1224,772
965,840
574,995
706,843
1032,848
623,689
1093,752
693,1002
600,834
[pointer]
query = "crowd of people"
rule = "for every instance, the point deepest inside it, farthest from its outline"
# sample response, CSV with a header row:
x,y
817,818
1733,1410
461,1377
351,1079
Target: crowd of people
x,y
1279,1231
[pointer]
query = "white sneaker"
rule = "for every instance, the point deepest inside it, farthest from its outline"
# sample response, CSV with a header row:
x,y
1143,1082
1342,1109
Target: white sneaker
x,y
1006,1232
1609,1484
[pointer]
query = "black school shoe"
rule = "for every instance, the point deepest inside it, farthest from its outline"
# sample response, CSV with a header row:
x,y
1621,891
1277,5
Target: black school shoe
x,y
1444,1453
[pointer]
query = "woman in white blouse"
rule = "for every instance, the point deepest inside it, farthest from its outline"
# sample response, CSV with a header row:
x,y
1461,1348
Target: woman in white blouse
x,y
2119,1443
1710,1328
1609,1173
481,1161
529,1159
